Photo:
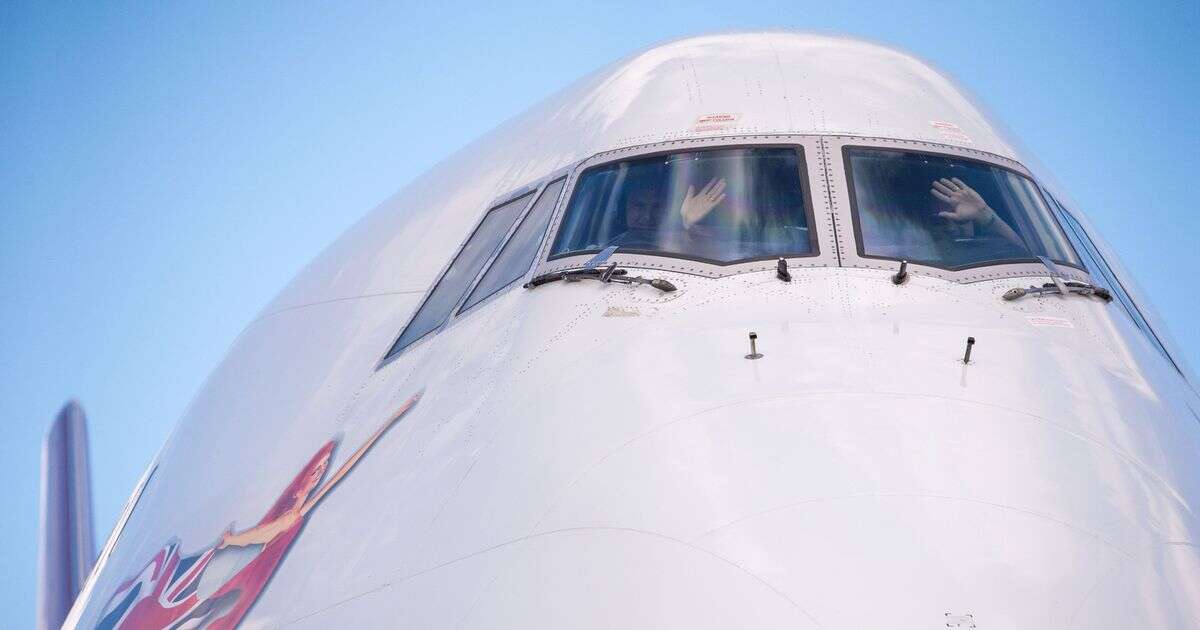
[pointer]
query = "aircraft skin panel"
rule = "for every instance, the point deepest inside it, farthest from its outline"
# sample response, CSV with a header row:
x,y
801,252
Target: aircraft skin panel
x,y
569,579
596,455
742,470
661,434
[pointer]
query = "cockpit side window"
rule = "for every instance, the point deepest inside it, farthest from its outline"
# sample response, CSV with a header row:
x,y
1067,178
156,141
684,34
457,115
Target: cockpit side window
x,y
470,260
1103,275
715,205
517,256
949,212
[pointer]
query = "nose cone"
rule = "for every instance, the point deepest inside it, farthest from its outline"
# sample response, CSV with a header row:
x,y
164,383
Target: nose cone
x,y
858,475
858,510
605,456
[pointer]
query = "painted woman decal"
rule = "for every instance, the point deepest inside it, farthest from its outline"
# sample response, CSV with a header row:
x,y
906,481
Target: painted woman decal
x,y
216,586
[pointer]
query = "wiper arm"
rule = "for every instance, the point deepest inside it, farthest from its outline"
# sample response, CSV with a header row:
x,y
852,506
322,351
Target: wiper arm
x,y
611,273
588,269
1058,286
574,274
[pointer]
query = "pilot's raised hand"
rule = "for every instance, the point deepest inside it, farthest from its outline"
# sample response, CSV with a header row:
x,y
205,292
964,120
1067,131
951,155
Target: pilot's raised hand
x,y
965,204
696,206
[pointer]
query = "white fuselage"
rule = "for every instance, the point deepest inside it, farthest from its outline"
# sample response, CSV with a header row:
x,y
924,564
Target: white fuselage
x,y
603,455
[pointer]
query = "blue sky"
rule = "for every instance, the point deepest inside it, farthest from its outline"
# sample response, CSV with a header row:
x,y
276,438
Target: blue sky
x,y
165,170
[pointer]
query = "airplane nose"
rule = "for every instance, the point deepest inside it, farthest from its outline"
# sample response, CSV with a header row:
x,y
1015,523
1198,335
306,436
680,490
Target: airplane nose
x,y
859,510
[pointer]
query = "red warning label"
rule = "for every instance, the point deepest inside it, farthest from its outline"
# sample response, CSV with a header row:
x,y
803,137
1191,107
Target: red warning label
x,y
716,122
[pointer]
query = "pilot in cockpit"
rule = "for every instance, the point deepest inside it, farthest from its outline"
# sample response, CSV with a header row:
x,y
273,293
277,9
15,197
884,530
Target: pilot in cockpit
x,y
701,221
648,225
642,215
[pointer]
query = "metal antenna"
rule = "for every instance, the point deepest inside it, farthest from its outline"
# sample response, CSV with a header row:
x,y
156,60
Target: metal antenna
x,y
900,276
754,353
781,271
967,355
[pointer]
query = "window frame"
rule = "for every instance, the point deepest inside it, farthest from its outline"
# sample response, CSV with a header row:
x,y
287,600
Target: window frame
x,y
807,198
812,180
533,191
860,244
850,240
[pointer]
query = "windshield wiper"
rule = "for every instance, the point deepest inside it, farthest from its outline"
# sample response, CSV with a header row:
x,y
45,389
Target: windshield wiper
x,y
1078,288
1059,286
611,273
555,276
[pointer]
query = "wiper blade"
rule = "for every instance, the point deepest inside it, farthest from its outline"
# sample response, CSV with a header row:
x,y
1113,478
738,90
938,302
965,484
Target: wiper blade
x,y
1078,288
603,256
611,273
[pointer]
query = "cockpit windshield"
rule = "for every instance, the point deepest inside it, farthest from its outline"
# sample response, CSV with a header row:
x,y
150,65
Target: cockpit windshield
x,y
949,212
717,205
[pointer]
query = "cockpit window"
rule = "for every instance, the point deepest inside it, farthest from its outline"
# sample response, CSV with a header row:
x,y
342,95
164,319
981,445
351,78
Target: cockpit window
x,y
518,254
436,308
717,205
949,212
1103,275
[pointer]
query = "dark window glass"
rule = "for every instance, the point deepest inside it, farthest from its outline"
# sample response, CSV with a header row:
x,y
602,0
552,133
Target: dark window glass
x,y
466,266
1103,275
516,257
949,212
718,205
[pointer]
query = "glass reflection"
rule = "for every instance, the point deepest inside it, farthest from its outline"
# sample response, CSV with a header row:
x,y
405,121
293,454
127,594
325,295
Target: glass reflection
x,y
949,212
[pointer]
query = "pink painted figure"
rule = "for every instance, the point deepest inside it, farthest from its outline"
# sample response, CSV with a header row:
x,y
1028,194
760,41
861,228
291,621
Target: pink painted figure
x,y
215,588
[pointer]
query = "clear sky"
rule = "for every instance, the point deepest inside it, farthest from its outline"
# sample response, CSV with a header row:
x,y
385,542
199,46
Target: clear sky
x,y
165,170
